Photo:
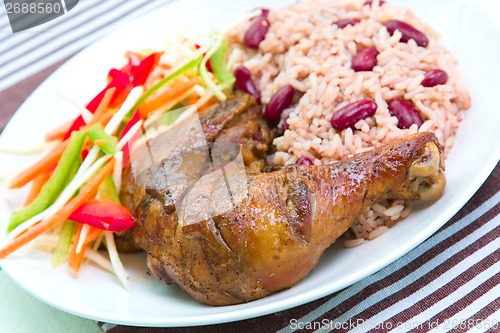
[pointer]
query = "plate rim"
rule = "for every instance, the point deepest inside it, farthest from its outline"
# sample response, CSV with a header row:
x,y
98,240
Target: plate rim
x,y
279,305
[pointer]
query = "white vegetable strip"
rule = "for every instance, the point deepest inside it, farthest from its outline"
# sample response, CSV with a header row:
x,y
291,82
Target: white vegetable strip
x,y
83,236
202,101
28,224
98,242
86,115
244,18
46,242
131,132
34,149
206,75
109,129
84,112
76,183
87,162
47,238
235,55
99,259
152,133
45,245
117,170
28,150
199,90
166,107
132,98
189,110
87,169
188,53
120,272
63,198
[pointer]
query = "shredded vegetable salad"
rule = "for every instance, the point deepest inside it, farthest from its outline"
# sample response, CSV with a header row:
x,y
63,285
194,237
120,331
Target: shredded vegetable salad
x,y
73,207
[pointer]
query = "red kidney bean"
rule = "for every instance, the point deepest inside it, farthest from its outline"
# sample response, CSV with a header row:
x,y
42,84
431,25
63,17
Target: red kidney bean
x,y
370,2
405,112
281,100
284,120
350,114
365,59
284,125
434,77
256,32
408,32
304,161
245,83
342,23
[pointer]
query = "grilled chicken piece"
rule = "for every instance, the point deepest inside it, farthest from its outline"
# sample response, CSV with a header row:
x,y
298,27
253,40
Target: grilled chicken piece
x,y
276,232
252,135
238,122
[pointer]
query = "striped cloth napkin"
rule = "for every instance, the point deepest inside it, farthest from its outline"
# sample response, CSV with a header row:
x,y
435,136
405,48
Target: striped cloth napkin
x,y
451,280
449,283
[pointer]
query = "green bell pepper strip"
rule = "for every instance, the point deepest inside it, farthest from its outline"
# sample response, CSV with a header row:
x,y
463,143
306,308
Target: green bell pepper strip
x,y
68,227
74,170
206,75
96,132
51,190
217,56
217,60
64,243
169,117
107,190
186,67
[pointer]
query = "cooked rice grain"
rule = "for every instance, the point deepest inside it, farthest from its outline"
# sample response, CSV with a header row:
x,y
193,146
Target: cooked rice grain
x,y
304,49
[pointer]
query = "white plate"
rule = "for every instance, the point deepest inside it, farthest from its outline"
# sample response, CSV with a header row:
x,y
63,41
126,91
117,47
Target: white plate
x,y
467,31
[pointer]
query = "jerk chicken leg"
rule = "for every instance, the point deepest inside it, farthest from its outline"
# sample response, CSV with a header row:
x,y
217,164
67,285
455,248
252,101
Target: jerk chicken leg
x,y
276,232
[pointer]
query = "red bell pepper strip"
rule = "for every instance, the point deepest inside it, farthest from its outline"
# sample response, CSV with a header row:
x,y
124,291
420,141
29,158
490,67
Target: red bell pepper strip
x,y
120,82
209,64
126,150
135,73
141,72
134,59
103,214
139,67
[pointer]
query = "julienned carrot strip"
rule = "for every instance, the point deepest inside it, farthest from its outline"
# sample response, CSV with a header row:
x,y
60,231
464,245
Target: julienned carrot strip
x,y
36,186
54,186
105,118
53,157
161,98
87,192
191,100
75,259
93,234
103,106
43,165
58,133
208,103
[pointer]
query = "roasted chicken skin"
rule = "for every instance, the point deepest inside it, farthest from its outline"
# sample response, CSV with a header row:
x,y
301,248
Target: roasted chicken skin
x,y
276,233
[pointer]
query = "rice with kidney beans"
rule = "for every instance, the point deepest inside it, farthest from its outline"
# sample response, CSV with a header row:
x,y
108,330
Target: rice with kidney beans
x,y
310,46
